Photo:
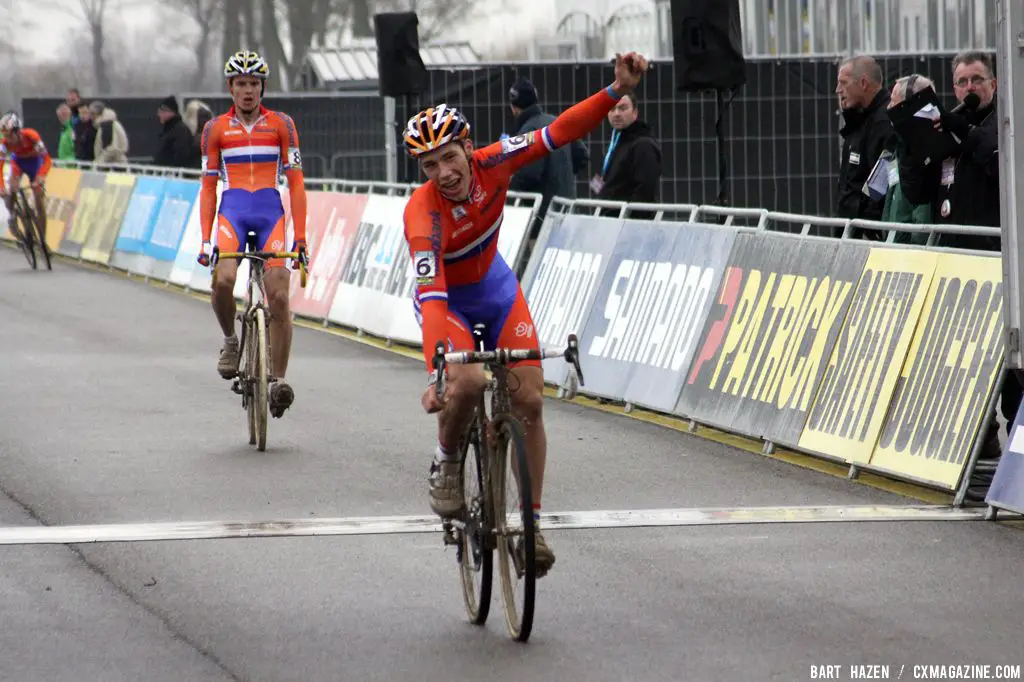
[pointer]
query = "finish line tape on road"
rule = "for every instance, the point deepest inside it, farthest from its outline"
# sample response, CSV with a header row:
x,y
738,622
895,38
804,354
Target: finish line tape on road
x,y
392,525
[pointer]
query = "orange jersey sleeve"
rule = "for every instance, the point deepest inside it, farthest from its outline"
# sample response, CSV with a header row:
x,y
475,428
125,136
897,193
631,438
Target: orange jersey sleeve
x,y
210,145
35,142
578,120
425,236
291,164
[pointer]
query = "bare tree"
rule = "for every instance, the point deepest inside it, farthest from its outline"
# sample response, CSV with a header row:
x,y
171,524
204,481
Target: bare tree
x,y
206,14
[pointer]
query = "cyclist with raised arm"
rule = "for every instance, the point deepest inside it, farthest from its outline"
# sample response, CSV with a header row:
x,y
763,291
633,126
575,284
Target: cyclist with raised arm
x,y
451,226
248,148
25,150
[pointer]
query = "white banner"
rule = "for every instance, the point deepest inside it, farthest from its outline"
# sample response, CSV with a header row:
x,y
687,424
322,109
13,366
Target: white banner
x,y
360,300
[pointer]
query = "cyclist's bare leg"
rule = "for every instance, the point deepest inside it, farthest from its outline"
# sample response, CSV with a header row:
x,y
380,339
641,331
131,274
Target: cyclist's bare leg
x,y
223,296
527,388
278,283
465,383
40,207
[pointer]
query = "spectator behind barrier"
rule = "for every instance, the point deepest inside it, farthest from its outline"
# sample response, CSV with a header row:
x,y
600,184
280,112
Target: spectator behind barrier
x,y
631,170
197,115
962,189
175,139
66,145
866,133
85,135
898,208
552,175
111,138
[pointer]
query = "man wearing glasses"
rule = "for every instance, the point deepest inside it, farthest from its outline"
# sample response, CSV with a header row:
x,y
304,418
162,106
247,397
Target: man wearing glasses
x,y
962,189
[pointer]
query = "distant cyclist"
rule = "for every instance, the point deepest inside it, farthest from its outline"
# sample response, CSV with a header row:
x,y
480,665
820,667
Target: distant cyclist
x,y
25,150
248,148
451,224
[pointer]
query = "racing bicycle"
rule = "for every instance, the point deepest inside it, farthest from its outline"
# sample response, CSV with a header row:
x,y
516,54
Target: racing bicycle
x,y
255,371
32,231
495,516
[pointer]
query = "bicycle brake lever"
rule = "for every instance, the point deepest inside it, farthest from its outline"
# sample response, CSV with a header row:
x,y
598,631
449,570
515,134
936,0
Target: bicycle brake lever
x,y
439,367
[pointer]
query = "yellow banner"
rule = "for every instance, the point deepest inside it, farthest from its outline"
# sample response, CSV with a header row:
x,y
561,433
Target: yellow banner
x,y
854,392
114,198
61,187
87,206
947,379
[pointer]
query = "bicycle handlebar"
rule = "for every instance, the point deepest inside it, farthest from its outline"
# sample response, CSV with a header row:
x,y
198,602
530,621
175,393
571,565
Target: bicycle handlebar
x,y
504,356
261,255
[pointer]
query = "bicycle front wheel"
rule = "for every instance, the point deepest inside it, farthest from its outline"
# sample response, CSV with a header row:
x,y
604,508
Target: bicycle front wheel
x,y
24,229
44,250
513,503
260,377
475,551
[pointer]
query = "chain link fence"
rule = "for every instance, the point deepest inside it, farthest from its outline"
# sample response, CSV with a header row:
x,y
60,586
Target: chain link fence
x,y
781,130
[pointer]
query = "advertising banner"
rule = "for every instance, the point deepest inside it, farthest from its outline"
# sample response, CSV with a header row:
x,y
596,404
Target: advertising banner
x,y
137,224
650,309
332,226
169,226
954,360
86,214
561,293
776,318
862,370
61,189
113,202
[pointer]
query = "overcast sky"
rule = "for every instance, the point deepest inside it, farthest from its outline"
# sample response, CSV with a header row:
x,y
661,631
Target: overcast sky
x,y
52,25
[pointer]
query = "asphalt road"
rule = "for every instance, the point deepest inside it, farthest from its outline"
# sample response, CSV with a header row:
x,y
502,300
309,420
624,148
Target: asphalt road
x,y
112,412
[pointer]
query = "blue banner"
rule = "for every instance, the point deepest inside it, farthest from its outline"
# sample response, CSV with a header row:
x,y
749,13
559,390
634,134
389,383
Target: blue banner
x,y
170,222
650,309
1007,489
140,214
563,286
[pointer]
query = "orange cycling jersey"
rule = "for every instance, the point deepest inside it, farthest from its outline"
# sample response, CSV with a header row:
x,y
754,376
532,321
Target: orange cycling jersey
x,y
29,156
249,161
454,245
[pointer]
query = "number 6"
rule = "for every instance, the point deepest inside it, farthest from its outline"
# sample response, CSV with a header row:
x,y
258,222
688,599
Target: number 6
x,y
424,266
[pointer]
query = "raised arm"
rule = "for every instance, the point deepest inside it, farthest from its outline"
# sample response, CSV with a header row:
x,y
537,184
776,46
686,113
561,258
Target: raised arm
x,y
572,124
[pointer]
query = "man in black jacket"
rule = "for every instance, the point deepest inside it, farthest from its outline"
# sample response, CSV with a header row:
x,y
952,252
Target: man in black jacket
x,y
552,175
631,170
175,148
963,189
867,132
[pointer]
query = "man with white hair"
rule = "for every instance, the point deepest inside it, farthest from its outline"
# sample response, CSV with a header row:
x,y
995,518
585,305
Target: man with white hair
x,y
899,209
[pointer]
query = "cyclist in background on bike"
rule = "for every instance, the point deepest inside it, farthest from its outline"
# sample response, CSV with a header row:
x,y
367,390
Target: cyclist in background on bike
x,y
27,154
451,226
248,148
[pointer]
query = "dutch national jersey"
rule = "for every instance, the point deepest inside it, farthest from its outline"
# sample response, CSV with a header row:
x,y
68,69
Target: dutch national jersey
x,y
455,244
29,154
250,160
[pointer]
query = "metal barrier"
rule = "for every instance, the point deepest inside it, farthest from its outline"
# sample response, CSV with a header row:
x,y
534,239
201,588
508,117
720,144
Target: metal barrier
x,y
830,228
740,218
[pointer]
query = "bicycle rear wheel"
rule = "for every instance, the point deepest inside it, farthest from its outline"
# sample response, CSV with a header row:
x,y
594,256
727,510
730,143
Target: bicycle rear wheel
x,y
475,552
510,481
40,228
260,378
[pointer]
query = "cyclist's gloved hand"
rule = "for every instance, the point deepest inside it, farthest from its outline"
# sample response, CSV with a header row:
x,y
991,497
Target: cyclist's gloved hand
x,y
204,258
300,246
